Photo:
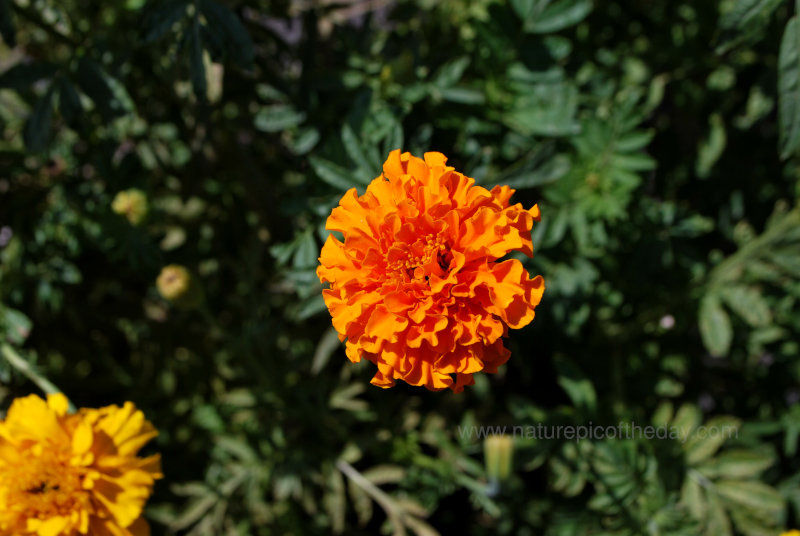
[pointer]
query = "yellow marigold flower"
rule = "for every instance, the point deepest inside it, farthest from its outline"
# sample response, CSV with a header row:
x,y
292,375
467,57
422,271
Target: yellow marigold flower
x,y
67,474
132,204
176,284
416,286
791,533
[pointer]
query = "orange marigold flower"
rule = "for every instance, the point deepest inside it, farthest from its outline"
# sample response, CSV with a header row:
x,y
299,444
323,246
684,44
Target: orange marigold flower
x,y
67,474
416,287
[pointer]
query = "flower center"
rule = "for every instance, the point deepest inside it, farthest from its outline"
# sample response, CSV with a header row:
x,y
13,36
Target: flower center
x,y
426,255
43,485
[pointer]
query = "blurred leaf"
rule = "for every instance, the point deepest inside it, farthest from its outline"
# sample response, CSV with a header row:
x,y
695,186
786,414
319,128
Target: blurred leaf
x,y
23,75
712,147
579,388
789,89
37,127
196,66
715,327
239,45
751,494
69,103
557,16
92,81
278,117
326,346
161,16
335,175
748,303
450,73
7,29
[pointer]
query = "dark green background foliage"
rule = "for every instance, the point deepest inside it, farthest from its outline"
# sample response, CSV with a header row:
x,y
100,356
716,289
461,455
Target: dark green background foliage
x,y
660,139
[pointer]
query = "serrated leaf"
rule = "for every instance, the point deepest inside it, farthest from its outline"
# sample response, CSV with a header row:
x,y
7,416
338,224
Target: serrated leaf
x,y
549,110
277,118
715,326
558,16
336,501
551,171
356,151
334,174
194,511
748,303
789,89
633,141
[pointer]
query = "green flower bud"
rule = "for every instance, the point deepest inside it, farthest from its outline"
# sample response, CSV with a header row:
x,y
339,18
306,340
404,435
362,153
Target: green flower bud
x,y
498,451
177,285
132,204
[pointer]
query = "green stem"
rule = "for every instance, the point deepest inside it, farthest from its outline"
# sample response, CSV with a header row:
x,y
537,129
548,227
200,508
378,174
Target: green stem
x,y
25,368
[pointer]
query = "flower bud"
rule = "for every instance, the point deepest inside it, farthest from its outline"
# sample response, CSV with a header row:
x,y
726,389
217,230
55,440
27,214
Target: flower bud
x,y
132,204
498,453
177,285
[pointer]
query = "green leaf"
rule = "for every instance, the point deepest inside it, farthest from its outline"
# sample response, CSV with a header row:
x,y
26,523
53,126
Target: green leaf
x,y
238,44
196,66
356,151
463,95
16,326
523,8
751,494
700,447
746,12
738,464
161,16
546,110
69,103
335,175
306,254
451,72
748,303
577,386
23,75
326,346
37,127
551,171
789,89
715,326
7,28
745,22
92,81
278,117
558,16
712,147
686,420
